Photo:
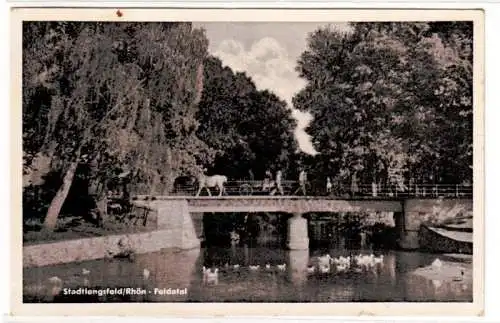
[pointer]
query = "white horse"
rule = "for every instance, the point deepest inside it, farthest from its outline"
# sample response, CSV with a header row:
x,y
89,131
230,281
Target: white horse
x,y
207,182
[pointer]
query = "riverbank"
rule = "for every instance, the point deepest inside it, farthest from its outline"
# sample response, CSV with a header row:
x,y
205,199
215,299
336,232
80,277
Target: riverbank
x,y
109,246
42,249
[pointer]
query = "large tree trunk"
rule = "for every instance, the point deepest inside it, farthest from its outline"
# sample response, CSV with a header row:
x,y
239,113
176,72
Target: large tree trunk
x,y
58,200
98,192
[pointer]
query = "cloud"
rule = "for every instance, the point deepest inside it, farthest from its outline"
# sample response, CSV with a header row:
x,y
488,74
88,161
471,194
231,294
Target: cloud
x,y
272,68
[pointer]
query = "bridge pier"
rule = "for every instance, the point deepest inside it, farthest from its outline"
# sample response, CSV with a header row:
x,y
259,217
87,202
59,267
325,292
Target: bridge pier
x,y
297,237
407,228
174,217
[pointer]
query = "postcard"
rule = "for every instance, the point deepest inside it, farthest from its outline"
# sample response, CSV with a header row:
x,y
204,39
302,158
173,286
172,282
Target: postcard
x,y
208,162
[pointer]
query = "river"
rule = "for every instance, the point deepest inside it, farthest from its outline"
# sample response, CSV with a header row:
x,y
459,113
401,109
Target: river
x,y
176,276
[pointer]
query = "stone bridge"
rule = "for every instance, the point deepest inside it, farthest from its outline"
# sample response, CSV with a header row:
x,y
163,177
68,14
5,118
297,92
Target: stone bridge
x,y
175,213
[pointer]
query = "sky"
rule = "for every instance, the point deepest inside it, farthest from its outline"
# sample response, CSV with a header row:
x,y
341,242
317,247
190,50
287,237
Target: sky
x,y
268,53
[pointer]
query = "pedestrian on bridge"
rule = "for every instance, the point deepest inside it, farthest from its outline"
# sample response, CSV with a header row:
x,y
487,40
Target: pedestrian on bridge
x,y
302,182
354,184
267,183
279,185
329,186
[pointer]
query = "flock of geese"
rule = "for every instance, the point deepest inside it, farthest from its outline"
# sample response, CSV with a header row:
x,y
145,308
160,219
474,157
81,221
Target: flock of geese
x,y
324,264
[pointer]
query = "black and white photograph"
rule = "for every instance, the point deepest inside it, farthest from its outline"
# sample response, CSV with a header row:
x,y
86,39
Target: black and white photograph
x,y
265,161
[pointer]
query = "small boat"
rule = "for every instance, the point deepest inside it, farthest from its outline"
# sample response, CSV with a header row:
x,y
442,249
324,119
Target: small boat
x,y
445,239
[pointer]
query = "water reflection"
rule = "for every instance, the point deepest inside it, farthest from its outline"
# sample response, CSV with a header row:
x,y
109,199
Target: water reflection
x,y
277,276
298,260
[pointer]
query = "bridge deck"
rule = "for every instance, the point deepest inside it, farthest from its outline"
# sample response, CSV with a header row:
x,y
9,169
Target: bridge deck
x,y
300,204
290,197
288,204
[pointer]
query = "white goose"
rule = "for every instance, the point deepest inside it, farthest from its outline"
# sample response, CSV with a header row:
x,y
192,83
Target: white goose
x,y
326,259
145,274
254,267
437,264
343,262
57,285
281,267
324,268
211,276
437,283
341,267
378,260
55,280
365,262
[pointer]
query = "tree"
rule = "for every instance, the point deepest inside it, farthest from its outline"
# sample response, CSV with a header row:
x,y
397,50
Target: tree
x,y
382,101
112,93
250,130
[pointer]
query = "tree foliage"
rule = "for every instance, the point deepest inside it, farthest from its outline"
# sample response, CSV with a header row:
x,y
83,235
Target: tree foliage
x,y
250,130
391,101
114,94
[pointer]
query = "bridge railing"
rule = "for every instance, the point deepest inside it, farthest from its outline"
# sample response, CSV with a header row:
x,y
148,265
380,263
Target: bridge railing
x,y
419,190
254,187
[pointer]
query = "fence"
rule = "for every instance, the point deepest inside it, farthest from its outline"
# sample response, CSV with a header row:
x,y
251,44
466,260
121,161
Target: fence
x,y
292,188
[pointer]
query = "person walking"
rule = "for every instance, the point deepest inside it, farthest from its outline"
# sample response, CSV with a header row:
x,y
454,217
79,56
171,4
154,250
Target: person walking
x,y
329,186
354,185
302,182
267,184
278,179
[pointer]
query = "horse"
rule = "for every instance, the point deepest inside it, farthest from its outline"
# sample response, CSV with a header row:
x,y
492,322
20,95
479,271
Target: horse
x,y
208,182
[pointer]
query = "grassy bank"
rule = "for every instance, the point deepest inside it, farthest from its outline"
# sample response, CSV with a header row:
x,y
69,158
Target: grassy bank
x,y
76,228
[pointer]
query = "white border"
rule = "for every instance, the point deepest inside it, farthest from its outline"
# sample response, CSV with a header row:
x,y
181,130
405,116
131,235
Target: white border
x,y
491,172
